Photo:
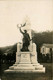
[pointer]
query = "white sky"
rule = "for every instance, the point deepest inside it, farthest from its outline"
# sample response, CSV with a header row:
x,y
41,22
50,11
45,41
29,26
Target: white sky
x,y
13,13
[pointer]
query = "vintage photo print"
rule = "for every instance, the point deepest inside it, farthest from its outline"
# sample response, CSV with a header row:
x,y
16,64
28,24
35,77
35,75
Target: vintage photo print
x,y
26,44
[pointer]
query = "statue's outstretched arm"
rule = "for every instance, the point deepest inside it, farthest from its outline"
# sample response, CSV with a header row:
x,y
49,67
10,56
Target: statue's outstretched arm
x,y
21,31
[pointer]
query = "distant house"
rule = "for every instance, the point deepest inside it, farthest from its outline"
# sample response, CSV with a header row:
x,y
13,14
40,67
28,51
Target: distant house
x,y
46,49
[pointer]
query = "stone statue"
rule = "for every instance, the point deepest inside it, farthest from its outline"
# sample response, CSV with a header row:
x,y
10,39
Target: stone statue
x,y
26,40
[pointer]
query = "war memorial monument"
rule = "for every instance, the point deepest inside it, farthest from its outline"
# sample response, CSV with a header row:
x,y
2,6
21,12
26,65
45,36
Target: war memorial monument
x,y
26,55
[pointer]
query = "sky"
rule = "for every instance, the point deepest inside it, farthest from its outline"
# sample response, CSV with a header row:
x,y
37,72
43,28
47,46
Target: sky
x,y
14,12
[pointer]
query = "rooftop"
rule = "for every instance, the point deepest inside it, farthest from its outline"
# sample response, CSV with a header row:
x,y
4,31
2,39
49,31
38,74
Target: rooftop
x,y
48,45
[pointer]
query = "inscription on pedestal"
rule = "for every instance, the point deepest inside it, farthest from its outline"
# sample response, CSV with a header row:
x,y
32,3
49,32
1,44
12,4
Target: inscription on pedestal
x,y
25,57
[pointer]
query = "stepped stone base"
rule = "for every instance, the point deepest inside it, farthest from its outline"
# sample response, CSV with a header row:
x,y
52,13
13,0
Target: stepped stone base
x,y
26,68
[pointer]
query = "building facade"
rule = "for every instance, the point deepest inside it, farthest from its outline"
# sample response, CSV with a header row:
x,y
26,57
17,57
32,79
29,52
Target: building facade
x,y
46,49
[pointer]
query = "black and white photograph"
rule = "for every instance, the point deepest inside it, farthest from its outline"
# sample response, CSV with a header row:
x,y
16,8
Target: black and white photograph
x,y
26,40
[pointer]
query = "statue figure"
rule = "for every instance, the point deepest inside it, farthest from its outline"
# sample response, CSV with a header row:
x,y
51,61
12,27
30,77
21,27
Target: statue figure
x,y
26,40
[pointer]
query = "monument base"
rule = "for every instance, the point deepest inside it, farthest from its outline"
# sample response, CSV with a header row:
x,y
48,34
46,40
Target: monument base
x,y
25,65
33,69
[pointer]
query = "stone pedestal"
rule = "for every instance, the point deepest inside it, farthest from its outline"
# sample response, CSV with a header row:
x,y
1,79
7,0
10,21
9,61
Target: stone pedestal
x,y
26,61
25,58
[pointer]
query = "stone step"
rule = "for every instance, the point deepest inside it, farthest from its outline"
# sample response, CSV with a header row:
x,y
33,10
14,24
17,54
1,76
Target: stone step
x,y
25,71
22,64
24,68
25,63
38,65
